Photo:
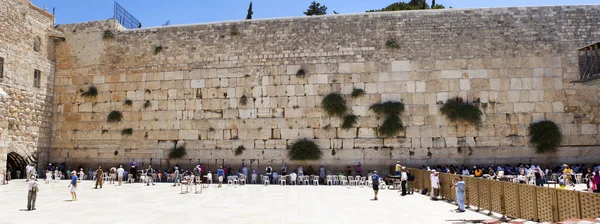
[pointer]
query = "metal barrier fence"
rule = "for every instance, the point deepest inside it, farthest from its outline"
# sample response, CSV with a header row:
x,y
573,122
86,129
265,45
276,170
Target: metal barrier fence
x,y
516,200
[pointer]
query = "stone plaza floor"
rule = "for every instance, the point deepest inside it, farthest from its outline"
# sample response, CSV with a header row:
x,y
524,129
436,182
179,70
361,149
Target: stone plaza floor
x,y
162,203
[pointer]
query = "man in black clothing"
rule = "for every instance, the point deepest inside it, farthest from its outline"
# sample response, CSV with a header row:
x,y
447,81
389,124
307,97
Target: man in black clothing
x,y
409,184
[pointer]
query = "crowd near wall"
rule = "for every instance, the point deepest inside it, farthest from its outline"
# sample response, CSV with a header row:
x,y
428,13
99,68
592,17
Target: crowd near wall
x,y
217,86
26,84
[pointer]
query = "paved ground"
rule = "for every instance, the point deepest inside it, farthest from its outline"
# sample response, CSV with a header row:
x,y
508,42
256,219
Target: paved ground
x,y
137,203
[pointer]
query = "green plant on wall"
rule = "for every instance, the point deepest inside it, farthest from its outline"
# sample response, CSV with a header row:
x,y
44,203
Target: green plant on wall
x,y
108,35
240,149
90,93
334,104
234,31
456,110
392,44
127,131
114,116
243,100
392,123
305,149
158,49
545,136
349,121
357,93
177,152
300,73
147,104
128,102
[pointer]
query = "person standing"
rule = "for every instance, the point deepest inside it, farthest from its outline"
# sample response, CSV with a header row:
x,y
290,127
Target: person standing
x,y
81,175
98,177
269,171
409,183
435,186
322,173
460,194
375,179
32,187
398,168
284,170
348,171
220,174
176,177
357,168
245,171
73,185
120,173
113,175
27,172
149,175
403,179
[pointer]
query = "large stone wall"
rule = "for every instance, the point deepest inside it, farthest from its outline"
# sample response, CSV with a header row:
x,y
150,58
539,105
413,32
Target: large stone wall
x,y
516,64
26,113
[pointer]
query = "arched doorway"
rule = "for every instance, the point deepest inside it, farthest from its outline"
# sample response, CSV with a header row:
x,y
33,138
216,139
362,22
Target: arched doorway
x,y
14,163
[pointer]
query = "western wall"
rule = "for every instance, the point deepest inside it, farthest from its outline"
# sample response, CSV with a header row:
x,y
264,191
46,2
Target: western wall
x,y
186,85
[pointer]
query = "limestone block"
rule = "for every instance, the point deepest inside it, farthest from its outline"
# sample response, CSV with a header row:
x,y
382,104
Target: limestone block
x,y
174,75
247,113
527,83
357,67
85,107
442,97
396,97
543,107
348,143
515,84
438,142
296,133
198,83
412,132
384,77
396,143
401,66
399,76
98,79
451,142
589,129
558,107
368,143
371,88
188,134
451,74
514,96
480,73
359,110
465,84
420,86
366,133
326,68
345,68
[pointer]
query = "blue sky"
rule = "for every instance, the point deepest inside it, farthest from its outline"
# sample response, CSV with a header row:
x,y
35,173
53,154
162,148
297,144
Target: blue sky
x,y
157,12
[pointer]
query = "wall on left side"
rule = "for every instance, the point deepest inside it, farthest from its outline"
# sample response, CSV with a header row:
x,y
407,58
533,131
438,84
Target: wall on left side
x,y
25,114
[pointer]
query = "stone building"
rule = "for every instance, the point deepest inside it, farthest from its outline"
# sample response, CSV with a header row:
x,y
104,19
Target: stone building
x,y
26,84
214,87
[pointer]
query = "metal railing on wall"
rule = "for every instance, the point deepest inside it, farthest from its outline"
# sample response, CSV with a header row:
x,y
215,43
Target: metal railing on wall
x,y
514,200
125,18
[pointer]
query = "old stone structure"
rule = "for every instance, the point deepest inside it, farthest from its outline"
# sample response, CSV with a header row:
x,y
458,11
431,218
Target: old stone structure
x,y
214,87
26,46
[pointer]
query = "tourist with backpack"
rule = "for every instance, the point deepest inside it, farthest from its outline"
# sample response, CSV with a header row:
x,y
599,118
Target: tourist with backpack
x,y
375,179
409,183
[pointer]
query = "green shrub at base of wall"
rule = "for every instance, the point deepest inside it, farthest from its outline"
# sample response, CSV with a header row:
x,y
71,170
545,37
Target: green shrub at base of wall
x,y
114,116
349,121
305,149
240,149
177,152
334,104
456,110
545,136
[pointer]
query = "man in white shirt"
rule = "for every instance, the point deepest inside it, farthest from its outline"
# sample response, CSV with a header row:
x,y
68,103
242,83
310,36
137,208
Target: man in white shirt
x,y
32,186
27,172
435,186
403,179
293,177
120,173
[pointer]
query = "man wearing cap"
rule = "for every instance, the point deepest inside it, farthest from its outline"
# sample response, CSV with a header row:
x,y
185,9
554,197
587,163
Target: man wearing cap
x,y
435,186
73,185
398,168
375,179
220,173
149,176
32,187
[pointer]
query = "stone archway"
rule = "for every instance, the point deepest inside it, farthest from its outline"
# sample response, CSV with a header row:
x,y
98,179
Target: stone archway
x,y
14,163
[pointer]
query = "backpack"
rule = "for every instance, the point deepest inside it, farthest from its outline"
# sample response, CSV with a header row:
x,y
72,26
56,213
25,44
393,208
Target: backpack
x,y
424,191
411,177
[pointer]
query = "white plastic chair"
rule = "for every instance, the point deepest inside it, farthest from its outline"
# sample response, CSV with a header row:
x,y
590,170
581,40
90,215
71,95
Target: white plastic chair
x,y
209,178
330,180
382,186
351,181
105,177
169,177
253,180
243,179
130,178
235,180
336,180
316,180
282,180
362,182
305,180
266,180
229,180
343,180
370,181
294,179
578,178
